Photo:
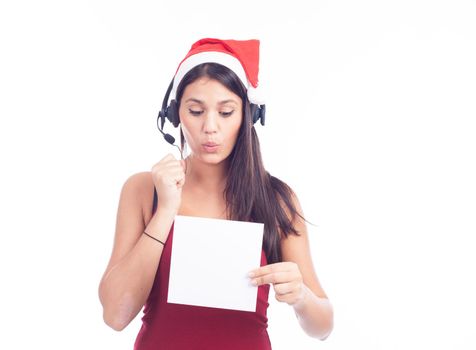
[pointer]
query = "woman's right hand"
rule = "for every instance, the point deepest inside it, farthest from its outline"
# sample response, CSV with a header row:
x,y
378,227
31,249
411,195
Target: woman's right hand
x,y
169,177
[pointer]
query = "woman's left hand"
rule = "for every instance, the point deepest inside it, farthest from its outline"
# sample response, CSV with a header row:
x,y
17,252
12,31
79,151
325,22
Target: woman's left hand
x,y
286,279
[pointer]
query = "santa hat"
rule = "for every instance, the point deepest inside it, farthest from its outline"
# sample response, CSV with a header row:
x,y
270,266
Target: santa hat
x,y
241,56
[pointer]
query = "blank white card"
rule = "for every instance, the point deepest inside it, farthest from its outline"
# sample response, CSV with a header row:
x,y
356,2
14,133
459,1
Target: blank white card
x,y
210,262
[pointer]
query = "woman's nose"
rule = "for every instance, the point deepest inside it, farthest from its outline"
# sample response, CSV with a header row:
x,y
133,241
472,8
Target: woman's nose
x,y
210,124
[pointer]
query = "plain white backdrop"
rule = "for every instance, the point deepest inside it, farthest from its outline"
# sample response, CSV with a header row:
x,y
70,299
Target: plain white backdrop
x,y
370,118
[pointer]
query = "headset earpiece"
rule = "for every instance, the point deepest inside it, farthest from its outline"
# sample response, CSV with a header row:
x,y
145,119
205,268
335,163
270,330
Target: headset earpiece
x,y
259,112
262,114
172,113
169,112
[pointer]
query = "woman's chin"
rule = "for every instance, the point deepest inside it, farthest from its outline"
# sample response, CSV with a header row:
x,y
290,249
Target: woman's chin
x,y
210,158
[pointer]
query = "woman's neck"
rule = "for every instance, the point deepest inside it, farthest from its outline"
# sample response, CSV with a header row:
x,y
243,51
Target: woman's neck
x,y
209,177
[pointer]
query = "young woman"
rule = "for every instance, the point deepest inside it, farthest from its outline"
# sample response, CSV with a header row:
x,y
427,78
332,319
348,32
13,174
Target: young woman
x,y
211,98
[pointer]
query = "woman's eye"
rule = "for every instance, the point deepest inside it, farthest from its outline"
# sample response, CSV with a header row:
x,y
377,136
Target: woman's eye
x,y
195,112
227,114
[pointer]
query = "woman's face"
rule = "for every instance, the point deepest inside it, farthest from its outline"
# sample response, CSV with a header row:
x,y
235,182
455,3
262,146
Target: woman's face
x,y
211,117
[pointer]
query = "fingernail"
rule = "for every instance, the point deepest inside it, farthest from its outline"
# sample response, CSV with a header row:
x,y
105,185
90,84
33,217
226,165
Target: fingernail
x,y
254,282
251,274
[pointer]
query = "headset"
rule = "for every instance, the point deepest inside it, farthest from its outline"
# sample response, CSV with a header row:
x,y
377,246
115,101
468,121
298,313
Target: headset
x,y
170,111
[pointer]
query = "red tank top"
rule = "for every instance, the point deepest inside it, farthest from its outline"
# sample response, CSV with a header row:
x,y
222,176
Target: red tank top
x,y
167,326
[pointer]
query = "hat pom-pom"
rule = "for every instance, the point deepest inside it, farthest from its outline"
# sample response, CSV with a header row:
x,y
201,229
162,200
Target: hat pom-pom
x,y
255,95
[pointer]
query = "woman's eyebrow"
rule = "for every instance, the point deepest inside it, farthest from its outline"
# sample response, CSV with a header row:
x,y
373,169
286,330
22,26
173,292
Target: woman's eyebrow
x,y
194,100
227,101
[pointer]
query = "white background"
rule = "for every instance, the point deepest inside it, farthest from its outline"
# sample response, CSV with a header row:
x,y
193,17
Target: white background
x,y
370,118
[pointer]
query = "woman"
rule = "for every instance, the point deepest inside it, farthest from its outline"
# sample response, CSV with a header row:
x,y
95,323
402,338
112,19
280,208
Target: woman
x,y
211,98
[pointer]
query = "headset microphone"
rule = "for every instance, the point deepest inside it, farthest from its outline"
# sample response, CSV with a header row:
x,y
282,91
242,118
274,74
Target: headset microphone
x,y
169,138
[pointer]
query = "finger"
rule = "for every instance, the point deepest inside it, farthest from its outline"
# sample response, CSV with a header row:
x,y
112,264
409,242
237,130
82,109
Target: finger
x,y
167,157
275,277
180,179
289,298
286,288
267,269
169,161
181,183
168,168
173,178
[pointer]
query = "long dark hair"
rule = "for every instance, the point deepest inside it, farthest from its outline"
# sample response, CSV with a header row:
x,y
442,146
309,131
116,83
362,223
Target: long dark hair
x,y
251,193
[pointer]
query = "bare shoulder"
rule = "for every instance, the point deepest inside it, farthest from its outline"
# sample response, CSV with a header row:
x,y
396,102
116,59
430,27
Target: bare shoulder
x,y
140,180
136,193
139,188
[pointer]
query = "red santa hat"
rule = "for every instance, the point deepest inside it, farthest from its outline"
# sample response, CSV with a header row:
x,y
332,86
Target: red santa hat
x,y
241,56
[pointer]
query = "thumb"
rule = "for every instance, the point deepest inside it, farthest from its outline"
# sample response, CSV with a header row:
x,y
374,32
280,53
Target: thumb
x,y
184,165
180,184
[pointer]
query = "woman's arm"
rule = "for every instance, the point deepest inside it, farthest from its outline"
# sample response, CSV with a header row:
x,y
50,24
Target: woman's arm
x,y
315,314
295,282
314,311
129,276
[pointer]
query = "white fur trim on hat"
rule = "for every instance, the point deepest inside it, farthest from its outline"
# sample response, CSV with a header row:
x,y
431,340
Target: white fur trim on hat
x,y
222,58
255,95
